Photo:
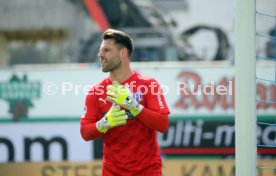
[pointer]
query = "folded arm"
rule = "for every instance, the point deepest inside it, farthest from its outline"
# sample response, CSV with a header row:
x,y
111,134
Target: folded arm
x,y
89,131
154,120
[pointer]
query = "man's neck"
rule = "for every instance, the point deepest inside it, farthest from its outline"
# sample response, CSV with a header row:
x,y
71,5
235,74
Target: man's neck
x,y
121,75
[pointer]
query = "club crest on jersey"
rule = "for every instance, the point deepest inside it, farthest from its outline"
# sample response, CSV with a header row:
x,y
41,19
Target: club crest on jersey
x,y
137,96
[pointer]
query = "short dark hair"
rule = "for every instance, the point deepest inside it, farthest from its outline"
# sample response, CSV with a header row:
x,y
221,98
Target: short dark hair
x,y
120,38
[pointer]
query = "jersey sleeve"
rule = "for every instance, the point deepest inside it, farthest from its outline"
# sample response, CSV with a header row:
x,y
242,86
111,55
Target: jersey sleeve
x,y
91,109
155,98
155,112
90,117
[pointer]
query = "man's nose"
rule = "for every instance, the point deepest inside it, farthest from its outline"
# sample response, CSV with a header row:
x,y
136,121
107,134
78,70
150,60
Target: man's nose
x,y
100,54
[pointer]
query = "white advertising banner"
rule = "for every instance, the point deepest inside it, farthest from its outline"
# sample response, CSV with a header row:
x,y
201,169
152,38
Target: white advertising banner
x,y
197,90
37,142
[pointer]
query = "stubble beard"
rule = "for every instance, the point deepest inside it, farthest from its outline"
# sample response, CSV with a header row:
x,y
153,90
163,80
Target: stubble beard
x,y
111,65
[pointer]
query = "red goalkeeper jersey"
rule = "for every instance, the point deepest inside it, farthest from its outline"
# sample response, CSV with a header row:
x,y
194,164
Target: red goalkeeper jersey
x,y
130,149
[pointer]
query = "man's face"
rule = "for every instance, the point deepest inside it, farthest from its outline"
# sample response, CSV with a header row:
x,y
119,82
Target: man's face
x,y
109,56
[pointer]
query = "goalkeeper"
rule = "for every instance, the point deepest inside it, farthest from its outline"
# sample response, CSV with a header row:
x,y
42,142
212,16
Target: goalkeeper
x,y
126,109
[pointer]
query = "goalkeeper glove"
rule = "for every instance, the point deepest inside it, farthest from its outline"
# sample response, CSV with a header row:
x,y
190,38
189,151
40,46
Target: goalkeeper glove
x,y
121,95
114,117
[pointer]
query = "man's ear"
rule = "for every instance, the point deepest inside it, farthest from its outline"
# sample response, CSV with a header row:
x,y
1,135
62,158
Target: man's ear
x,y
124,52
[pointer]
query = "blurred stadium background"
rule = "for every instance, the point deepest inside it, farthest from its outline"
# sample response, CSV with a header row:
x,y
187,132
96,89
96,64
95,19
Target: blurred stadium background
x,y
48,62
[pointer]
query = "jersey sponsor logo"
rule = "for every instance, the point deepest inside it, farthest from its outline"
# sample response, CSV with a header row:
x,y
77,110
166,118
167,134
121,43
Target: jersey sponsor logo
x,y
159,99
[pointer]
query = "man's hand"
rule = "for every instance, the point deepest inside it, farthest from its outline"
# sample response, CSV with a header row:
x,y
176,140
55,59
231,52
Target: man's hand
x,y
114,117
121,95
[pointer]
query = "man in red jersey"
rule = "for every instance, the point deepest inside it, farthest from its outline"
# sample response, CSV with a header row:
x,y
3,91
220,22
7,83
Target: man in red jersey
x,y
126,109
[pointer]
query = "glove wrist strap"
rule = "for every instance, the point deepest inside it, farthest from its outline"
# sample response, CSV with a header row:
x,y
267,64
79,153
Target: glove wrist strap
x,y
103,125
135,110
